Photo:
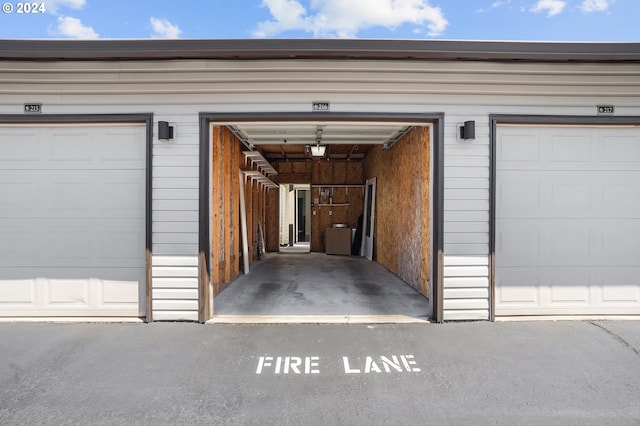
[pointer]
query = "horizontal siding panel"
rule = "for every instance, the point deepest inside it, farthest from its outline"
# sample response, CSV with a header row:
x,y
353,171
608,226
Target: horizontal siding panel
x,y
175,271
466,271
162,181
467,216
467,194
464,227
175,194
174,205
175,249
176,172
174,261
466,238
190,283
450,205
466,249
465,172
466,315
171,150
175,315
174,227
176,161
467,161
466,261
465,304
465,282
175,238
177,216
465,183
175,294
466,293
454,148
175,305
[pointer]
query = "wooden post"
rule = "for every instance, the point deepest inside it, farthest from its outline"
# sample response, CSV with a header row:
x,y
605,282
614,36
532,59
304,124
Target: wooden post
x,y
227,205
215,208
425,211
243,224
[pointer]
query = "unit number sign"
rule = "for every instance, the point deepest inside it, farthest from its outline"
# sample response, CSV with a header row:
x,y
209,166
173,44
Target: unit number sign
x,y
33,108
606,109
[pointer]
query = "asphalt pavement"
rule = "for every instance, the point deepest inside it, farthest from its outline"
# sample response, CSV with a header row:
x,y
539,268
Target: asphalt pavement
x,y
564,372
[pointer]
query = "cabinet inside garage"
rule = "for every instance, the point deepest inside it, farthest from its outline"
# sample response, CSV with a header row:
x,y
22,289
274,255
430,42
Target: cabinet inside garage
x,y
243,167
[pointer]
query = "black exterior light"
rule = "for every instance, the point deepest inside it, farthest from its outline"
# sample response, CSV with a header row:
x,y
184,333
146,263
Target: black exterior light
x,y
165,132
468,131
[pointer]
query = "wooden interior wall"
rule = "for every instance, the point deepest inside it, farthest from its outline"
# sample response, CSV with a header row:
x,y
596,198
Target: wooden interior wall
x,y
225,213
226,238
326,173
402,240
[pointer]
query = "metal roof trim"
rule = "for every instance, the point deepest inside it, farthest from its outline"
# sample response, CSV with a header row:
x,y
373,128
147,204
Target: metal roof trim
x,y
245,49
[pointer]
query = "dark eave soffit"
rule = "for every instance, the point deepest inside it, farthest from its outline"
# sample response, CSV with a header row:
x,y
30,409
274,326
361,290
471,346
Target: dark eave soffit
x,y
256,49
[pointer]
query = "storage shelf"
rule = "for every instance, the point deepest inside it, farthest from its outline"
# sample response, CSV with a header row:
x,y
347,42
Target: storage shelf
x,y
260,162
262,179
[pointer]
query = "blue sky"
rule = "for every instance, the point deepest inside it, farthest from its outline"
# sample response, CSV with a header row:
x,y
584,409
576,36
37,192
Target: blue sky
x,y
554,20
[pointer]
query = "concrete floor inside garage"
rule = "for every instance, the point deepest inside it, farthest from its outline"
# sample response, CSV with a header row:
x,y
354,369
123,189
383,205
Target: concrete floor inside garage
x,y
317,287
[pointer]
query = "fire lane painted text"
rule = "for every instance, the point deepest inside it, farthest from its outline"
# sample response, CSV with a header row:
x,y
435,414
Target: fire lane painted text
x,y
350,365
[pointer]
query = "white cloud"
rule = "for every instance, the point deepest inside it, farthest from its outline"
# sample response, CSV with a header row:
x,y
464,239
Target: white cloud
x,y
552,7
52,6
494,5
74,28
162,28
595,5
344,19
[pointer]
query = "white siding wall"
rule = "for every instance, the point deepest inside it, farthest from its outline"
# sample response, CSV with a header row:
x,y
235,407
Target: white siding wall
x,y
177,91
466,219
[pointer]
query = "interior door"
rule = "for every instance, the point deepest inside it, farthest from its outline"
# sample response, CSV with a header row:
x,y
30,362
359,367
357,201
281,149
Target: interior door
x,y
368,221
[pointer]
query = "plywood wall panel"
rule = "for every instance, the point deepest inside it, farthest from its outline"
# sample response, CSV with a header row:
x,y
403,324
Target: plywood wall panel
x,y
409,203
402,238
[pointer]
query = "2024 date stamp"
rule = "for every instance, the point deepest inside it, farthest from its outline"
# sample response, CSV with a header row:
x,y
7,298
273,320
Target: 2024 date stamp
x,y
32,8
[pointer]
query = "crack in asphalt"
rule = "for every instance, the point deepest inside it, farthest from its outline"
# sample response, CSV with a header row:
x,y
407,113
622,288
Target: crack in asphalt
x,y
617,337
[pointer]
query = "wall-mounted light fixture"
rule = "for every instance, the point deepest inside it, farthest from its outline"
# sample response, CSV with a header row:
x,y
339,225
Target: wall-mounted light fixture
x,y
165,132
467,131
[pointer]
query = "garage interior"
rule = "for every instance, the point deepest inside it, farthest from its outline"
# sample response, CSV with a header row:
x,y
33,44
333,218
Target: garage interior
x,y
310,267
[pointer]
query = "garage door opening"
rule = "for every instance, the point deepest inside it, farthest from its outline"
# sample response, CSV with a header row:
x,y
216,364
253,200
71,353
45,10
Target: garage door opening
x,y
275,159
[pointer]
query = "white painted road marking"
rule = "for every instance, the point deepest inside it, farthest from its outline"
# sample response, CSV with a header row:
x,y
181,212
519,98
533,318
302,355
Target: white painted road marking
x,y
311,364
289,364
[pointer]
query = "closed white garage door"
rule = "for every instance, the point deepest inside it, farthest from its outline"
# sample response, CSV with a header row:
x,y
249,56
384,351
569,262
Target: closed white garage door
x,y
72,222
567,220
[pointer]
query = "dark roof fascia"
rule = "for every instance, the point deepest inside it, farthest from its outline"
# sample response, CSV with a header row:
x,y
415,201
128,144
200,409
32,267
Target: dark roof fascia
x,y
153,49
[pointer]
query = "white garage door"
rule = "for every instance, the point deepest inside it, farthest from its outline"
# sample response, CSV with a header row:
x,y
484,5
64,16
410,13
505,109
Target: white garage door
x,y
567,220
72,220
